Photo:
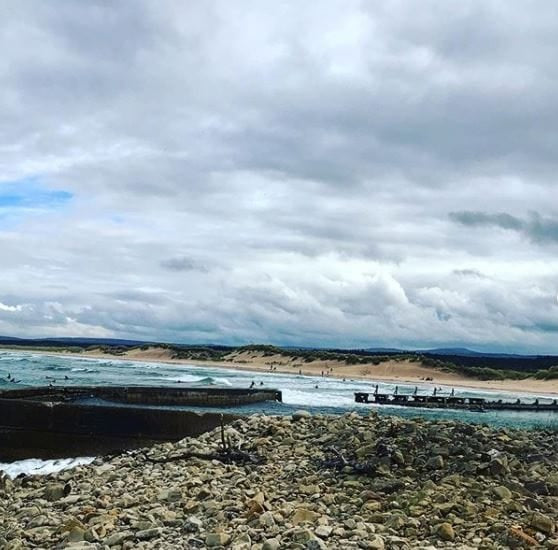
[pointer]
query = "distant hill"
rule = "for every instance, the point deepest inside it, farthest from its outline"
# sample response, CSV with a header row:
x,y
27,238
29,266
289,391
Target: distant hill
x,y
385,350
463,358
465,352
98,341
69,341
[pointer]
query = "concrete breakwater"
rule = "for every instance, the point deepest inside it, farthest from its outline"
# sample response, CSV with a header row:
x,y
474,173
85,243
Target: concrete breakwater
x,y
54,422
455,402
323,482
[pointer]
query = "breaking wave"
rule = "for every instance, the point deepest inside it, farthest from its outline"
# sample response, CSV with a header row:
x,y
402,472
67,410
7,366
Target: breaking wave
x,y
36,466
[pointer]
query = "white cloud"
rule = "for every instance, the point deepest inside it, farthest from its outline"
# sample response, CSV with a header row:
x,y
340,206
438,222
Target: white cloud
x,y
281,173
4,307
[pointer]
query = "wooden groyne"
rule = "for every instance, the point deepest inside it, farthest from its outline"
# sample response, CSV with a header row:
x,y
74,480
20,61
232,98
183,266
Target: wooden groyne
x,y
436,401
55,422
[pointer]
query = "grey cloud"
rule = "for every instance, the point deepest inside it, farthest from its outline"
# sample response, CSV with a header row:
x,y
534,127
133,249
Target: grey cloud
x,y
503,220
284,172
183,263
469,273
537,228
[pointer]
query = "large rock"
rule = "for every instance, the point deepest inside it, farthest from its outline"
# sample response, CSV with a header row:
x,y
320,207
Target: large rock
x,y
217,539
542,523
376,542
435,463
323,531
147,534
170,495
56,491
302,515
299,415
267,520
503,493
243,542
193,524
302,536
271,544
499,466
117,539
76,534
445,531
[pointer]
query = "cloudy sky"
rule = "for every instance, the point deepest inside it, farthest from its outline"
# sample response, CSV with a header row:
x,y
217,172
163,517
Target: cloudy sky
x,y
331,173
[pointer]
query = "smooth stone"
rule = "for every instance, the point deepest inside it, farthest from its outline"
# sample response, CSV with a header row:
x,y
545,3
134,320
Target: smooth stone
x,y
299,415
445,531
244,542
55,491
217,539
271,544
302,515
192,524
76,534
503,493
118,538
435,463
376,543
267,520
542,523
323,531
147,534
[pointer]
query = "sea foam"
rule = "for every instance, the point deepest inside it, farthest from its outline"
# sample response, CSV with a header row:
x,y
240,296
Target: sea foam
x,y
36,466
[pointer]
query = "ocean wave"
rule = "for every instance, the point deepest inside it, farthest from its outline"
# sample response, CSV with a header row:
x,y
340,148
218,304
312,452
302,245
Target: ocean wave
x,y
316,399
84,369
185,378
151,374
35,466
56,368
210,381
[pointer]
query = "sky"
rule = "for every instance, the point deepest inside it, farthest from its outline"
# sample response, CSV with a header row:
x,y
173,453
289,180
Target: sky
x,y
322,173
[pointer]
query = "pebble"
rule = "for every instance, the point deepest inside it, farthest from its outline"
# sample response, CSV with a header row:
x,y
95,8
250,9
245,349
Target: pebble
x,y
421,484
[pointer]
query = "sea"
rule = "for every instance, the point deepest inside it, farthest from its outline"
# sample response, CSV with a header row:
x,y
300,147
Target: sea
x,y
318,395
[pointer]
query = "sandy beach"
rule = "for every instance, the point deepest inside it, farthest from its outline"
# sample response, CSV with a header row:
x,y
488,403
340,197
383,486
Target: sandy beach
x,y
388,371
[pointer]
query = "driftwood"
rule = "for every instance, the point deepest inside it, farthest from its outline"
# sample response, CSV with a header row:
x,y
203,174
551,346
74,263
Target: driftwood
x,y
340,462
226,454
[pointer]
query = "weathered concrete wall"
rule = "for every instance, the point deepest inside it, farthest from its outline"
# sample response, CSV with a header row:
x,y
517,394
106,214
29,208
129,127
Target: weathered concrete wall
x,y
149,395
46,430
52,422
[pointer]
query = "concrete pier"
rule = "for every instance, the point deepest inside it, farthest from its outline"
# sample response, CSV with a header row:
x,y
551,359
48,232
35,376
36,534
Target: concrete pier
x,y
454,402
70,421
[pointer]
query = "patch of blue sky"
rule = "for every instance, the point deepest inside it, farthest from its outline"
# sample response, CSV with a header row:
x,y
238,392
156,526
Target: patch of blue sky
x,y
30,193
118,218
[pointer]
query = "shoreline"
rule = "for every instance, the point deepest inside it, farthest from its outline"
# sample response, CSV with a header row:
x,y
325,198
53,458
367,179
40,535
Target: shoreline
x,y
395,372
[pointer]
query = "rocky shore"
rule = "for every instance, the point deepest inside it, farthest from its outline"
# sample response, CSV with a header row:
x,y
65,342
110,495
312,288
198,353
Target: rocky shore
x,y
325,482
